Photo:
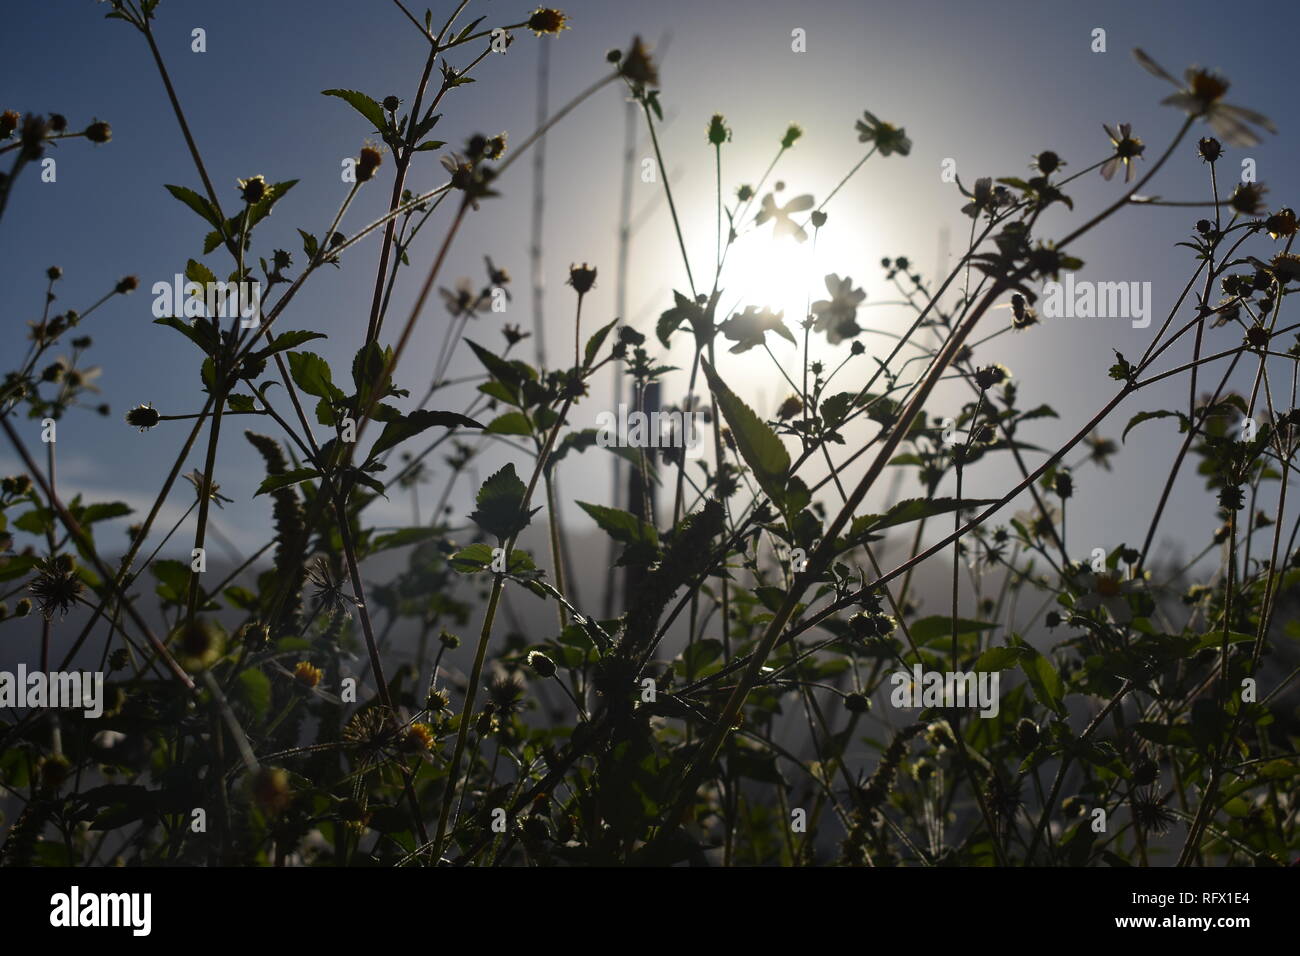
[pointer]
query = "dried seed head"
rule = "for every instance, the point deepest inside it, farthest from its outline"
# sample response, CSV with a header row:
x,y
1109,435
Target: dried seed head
x,y
791,407
99,132
143,417
541,664
582,278
1282,224
369,161
1248,198
637,65
718,131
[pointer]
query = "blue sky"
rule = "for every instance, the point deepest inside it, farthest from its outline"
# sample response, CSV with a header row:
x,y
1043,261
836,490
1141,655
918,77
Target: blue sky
x,y
987,85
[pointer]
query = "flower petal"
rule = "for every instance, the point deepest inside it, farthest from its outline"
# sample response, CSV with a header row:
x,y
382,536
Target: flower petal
x,y
1151,66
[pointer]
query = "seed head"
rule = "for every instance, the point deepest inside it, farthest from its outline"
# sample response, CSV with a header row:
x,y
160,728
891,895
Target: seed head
x,y
582,278
637,66
1209,149
1047,162
253,189
1282,224
99,132
143,417
541,664
718,131
369,161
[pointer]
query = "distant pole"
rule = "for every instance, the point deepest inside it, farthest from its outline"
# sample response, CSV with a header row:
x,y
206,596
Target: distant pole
x,y
620,310
539,203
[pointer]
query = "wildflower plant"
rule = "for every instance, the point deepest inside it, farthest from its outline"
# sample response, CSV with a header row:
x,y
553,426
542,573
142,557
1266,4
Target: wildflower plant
x,y
742,678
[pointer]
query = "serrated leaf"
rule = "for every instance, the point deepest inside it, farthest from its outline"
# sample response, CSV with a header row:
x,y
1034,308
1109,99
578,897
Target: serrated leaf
x,y
285,340
200,204
1043,678
940,625
500,503
595,342
639,535
400,429
1141,417
912,509
274,482
312,374
364,105
511,423
998,659
200,333
759,446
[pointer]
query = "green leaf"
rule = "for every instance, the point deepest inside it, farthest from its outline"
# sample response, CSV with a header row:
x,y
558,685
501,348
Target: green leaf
x,y
173,580
998,659
312,374
274,482
1141,417
200,333
262,208
912,509
500,501
1043,678
196,271
639,535
402,538
478,557
285,340
595,342
364,105
255,692
758,444
200,204
240,403
940,625
699,655
102,512
368,366
511,423
400,429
